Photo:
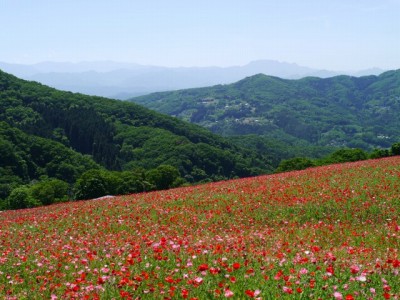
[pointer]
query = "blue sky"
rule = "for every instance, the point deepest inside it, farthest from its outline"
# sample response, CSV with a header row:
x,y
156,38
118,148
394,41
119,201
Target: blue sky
x,y
324,34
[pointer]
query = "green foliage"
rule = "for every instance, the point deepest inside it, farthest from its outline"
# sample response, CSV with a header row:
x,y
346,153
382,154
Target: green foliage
x,y
96,183
197,175
280,147
345,155
379,153
8,182
297,163
163,177
338,156
50,191
21,197
99,182
25,158
395,149
133,182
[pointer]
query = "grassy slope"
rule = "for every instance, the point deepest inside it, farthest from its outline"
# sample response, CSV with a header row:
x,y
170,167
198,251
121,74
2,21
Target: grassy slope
x,y
302,234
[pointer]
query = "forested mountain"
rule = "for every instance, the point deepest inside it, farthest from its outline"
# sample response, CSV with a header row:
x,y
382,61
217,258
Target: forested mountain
x,y
46,132
340,111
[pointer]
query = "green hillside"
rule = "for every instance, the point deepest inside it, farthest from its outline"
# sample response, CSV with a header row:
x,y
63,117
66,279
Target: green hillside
x,y
46,132
341,111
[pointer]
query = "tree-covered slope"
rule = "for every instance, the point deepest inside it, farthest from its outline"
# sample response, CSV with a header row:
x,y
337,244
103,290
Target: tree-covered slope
x,y
66,128
339,111
25,157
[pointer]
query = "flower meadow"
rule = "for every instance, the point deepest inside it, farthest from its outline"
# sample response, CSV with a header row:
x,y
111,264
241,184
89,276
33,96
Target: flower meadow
x,y
323,233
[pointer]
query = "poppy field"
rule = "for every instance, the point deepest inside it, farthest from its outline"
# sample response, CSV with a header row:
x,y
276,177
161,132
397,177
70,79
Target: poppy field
x,y
331,232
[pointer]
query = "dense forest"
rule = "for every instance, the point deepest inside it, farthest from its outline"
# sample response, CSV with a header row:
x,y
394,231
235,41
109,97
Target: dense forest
x,y
113,146
310,114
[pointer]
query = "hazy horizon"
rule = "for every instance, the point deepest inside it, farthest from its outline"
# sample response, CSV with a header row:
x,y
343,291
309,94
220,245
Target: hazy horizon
x,y
188,66
320,34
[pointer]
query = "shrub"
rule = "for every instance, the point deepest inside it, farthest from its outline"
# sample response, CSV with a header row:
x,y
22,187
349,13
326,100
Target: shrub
x,y
163,177
50,191
345,155
297,163
395,149
21,197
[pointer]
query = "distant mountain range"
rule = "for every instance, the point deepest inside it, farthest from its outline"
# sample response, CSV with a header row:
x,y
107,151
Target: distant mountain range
x,y
125,80
341,111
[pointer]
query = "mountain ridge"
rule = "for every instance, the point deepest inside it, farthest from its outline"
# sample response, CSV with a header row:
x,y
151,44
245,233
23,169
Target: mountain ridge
x,y
124,80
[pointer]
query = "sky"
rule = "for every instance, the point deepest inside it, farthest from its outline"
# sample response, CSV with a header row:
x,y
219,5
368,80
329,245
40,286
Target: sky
x,y
322,34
